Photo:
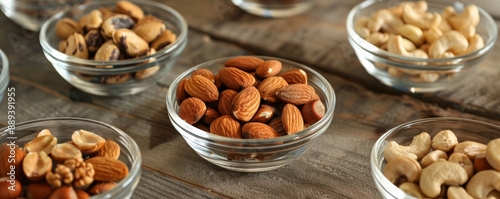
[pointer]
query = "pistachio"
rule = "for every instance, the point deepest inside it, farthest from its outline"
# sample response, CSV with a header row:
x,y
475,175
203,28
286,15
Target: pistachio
x,y
94,40
115,22
130,42
107,52
66,27
91,21
149,29
166,38
130,9
77,46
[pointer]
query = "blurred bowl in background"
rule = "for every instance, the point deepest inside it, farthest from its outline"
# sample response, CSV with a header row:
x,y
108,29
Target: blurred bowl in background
x,y
4,74
274,8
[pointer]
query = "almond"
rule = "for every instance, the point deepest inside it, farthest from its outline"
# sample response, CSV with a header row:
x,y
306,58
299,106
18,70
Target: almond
x,y
297,94
292,119
246,63
313,111
110,150
257,130
202,126
225,101
108,169
268,68
181,92
202,88
295,76
245,104
210,115
277,125
102,187
270,86
226,126
264,114
236,79
192,110
217,81
205,73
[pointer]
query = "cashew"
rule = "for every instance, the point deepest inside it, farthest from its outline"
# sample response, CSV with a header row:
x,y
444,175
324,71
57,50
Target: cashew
x,y
475,43
420,7
412,189
420,145
468,32
402,169
452,41
456,192
483,183
444,140
432,34
463,161
421,20
427,77
433,156
444,26
439,173
470,148
360,27
396,45
409,45
385,20
492,153
493,195
413,33
378,39
469,17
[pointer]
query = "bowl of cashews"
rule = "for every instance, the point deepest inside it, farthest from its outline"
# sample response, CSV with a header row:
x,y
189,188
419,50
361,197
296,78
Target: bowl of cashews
x,y
420,46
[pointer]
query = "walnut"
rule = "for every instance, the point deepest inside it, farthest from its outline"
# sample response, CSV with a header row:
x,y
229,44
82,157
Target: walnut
x,y
83,172
62,174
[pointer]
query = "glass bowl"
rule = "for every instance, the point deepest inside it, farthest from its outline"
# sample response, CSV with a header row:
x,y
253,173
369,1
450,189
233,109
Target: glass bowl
x,y
418,75
121,79
64,127
31,14
4,73
464,129
268,154
274,8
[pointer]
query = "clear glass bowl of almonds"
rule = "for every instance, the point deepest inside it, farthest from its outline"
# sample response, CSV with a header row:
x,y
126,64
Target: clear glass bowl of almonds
x,y
420,46
112,48
64,157
440,157
250,113
4,73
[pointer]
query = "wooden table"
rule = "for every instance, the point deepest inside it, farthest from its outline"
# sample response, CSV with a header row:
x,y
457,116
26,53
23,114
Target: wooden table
x,y
337,166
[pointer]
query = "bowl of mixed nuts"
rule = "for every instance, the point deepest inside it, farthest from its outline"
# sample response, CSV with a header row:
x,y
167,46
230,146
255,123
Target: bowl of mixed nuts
x,y
4,74
67,158
420,46
250,113
114,48
438,158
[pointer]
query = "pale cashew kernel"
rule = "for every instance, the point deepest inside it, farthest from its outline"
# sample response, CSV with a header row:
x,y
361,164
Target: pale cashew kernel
x,y
385,20
444,140
413,33
439,173
470,148
493,195
475,43
463,161
402,169
420,7
433,156
360,27
469,17
427,77
378,39
396,45
421,20
412,189
468,32
419,147
432,34
408,45
484,182
492,153
452,41
444,26
457,192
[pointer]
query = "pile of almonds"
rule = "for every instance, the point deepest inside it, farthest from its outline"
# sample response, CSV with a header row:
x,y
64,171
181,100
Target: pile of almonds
x,y
108,34
85,166
249,99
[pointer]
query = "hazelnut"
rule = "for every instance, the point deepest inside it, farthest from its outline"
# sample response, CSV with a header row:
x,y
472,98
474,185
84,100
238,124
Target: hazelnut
x,y
10,189
11,155
40,190
64,193
82,194
36,165
87,141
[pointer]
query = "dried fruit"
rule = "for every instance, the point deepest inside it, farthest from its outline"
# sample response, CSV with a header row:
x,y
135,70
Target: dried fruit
x,y
225,101
226,126
43,143
264,114
268,68
297,94
87,142
257,130
246,63
245,104
270,86
295,76
192,110
313,111
292,119
10,188
64,151
36,165
210,115
110,149
201,88
102,187
236,79
108,169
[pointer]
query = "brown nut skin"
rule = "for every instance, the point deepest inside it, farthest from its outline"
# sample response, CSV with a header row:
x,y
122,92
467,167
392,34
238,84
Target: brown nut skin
x,y
41,190
10,188
264,114
269,86
130,9
292,119
202,88
77,46
313,111
192,110
205,73
235,78
481,163
245,63
119,21
470,148
66,27
130,42
94,40
268,68
245,104
149,29
102,187
111,149
257,130
5,152
225,100
295,76
166,38
210,115
64,193
226,126
180,92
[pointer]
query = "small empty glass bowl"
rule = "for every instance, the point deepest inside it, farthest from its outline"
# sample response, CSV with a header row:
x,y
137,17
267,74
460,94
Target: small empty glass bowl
x,y
31,14
4,73
63,128
274,8
252,155
123,78
418,75
464,129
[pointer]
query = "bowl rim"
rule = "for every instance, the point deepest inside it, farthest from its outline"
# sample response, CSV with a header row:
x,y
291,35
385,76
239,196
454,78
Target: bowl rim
x,y
374,161
134,169
36,4
174,116
78,64
370,48
4,71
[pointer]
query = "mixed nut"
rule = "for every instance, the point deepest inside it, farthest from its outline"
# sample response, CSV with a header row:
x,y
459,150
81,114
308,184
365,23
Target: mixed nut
x,y
249,99
85,166
410,30
442,167
108,34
